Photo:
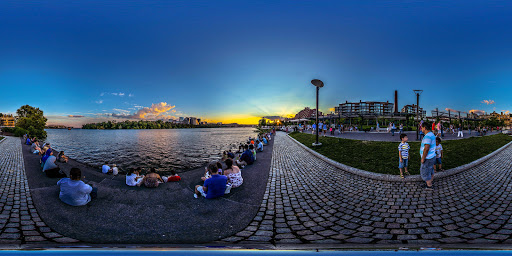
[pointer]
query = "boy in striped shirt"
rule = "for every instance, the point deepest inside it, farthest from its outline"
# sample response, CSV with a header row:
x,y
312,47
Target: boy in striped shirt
x,y
403,153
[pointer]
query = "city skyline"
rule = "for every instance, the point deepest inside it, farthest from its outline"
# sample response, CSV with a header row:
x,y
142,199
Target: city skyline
x,y
237,62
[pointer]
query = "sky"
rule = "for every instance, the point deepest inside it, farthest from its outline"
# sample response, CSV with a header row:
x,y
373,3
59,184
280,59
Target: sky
x,y
236,61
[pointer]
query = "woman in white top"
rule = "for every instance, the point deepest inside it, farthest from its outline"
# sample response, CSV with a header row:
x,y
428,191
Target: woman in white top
x,y
234,174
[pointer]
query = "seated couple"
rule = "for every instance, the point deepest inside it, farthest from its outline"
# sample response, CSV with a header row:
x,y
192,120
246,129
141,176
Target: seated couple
x,y
218,185
74,191
50,168
107,170
150,180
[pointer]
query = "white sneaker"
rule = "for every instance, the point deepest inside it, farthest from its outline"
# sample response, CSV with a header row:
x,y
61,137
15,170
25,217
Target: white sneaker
x,y
195,195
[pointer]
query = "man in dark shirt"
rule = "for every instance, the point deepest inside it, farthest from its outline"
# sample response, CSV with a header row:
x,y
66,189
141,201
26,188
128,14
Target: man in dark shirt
x,y
246,158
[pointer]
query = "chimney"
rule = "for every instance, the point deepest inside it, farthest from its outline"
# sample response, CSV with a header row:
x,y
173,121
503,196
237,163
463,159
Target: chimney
x,y
396,101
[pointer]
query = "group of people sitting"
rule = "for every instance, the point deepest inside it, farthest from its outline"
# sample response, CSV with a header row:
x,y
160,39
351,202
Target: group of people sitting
x,y
151,180
219,181
73,190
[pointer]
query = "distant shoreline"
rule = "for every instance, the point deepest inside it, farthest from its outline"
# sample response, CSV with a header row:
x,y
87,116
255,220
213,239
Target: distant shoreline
x,y
240,126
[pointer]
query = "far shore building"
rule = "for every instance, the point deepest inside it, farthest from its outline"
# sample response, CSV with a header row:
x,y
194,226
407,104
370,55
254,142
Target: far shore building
x,y
7,120
307,113
506,118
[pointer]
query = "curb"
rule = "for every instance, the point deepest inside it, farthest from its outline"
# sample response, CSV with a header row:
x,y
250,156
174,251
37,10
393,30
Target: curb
x,y
390,177
2,140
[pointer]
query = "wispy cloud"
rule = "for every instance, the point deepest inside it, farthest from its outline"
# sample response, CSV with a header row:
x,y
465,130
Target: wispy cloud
x,y
130,95
102,94
505,112
99,101
488,102
450,109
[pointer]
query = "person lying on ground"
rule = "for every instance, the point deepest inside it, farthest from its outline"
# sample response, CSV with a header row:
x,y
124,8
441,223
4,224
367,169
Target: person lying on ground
x,y
74,191
133,177
173,177
106,169
213,187
51,169
62,158
234,174
152,179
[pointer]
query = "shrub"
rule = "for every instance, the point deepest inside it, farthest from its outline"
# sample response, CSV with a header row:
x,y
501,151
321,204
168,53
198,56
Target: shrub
x,y
19,132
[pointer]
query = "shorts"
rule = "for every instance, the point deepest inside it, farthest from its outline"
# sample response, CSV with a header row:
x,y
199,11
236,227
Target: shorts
x,y
438,161
403,164
427,169
200,189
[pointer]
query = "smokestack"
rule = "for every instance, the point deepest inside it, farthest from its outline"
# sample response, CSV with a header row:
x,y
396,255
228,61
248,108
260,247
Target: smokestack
x,y
396,101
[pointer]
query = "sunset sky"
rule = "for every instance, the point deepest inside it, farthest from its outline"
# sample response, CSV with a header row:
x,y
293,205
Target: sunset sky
x,y
235,61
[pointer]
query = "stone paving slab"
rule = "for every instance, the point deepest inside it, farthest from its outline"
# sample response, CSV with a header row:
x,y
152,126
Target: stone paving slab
x,y
308,201
20,222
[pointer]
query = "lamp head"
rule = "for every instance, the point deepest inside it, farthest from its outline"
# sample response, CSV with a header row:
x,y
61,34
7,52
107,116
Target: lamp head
x,y
318,83
418,91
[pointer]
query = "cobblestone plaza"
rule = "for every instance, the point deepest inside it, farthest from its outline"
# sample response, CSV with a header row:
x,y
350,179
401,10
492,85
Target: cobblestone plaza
x,y
309,201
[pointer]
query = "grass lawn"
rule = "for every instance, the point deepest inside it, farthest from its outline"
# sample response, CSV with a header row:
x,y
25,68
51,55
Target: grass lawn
x,y
382,157
1,137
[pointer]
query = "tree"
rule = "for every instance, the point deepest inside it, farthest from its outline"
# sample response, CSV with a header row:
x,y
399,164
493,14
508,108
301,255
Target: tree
x,y
32,120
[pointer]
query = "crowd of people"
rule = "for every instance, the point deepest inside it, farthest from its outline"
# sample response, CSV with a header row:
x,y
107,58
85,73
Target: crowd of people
x,y
218,180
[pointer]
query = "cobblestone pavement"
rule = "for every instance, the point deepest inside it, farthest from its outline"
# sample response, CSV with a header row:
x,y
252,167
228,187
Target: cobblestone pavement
x,y
385,136
19,221
310,201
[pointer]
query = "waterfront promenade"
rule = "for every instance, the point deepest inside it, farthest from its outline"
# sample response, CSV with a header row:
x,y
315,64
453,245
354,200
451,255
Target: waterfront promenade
x,y
301,201
20,222
310,201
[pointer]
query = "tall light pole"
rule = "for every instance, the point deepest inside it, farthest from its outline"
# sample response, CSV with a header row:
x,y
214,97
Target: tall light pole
x,y
318,84
417,92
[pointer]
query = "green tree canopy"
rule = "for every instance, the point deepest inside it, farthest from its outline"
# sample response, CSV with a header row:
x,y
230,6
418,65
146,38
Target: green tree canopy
x,y
32,120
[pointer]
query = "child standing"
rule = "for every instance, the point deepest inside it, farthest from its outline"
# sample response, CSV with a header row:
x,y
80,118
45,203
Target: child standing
x,y
439,155
403,153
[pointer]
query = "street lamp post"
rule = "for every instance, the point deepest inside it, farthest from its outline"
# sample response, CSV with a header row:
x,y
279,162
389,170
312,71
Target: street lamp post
x,y
318,84
417,92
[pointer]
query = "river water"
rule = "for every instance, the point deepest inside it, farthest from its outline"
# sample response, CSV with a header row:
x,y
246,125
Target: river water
x,y
165,150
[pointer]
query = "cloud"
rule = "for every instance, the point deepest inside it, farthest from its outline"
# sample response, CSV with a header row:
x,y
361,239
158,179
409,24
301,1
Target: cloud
x,y
76,116
488,102
101,94
505,112
114,93
99,101
450,109
130,95
160,110
476,111
121,94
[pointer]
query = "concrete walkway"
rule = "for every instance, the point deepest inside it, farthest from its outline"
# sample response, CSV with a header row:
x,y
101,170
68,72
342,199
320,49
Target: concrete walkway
x,y
309,201
20,222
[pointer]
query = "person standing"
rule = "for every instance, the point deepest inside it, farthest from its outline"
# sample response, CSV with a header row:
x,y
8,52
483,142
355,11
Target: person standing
x,y
428,154
459,133
401,128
